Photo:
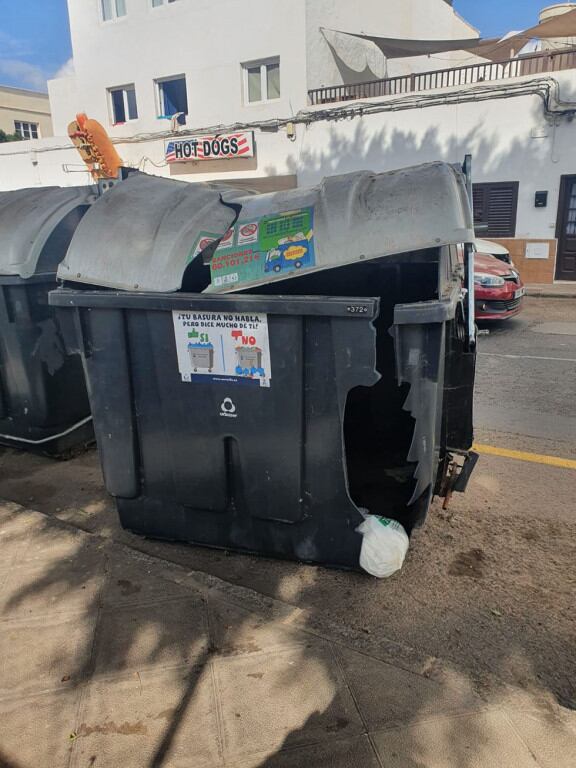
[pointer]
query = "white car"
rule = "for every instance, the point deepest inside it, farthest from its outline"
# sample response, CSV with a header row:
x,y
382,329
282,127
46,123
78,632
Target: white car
x,y
493,249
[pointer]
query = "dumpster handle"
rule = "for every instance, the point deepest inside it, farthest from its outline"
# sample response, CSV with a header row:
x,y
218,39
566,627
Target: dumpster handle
x,y
47,439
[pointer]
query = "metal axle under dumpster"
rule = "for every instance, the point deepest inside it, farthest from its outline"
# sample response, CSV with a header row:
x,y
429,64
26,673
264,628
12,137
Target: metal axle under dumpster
x,y
264,370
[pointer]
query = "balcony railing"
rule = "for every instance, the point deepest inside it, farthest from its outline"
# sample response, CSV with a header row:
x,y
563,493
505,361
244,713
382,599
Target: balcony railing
x,y
533,64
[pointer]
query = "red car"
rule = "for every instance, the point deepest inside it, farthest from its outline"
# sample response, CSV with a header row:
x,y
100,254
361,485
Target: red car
x,y
499,290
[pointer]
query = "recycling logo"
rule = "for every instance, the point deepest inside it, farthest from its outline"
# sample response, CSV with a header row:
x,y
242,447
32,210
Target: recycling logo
x,y
227,408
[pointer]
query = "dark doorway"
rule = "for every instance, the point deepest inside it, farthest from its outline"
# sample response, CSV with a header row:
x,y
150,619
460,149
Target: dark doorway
x,y
566,230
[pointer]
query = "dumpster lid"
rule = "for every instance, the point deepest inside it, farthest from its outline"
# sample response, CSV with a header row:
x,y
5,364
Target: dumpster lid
x,y
27,219
345,219
144,232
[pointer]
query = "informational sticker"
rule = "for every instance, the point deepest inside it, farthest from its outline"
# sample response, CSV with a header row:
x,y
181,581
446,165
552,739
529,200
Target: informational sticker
x,y
274,244
228,347
227,240
248,233
203,241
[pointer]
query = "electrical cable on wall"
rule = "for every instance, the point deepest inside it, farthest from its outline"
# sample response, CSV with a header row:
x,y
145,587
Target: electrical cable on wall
x,y
547,89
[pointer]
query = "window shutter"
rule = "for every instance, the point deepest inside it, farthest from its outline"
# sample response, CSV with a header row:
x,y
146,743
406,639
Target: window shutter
x,y
495,207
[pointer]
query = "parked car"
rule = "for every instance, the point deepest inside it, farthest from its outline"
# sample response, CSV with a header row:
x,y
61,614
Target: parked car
x,y
499,290
494,249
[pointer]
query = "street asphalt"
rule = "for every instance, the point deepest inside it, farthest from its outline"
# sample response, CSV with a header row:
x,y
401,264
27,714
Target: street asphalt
x,y
526,380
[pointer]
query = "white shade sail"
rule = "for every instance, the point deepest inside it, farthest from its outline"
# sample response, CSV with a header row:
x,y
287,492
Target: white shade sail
x,y
495,49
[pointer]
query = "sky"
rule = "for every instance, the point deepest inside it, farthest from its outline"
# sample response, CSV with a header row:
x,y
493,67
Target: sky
x,y
35,39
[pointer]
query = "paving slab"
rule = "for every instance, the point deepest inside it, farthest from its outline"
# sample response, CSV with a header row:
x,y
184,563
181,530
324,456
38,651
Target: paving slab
x,y
350,753
235,630
289,696
480,740
44,653
16,529
35,731
149,718
552,744
68,585
388,696
166,634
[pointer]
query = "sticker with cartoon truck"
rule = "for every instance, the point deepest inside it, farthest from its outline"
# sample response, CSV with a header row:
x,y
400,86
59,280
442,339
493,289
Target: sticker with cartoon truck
x,y
287,241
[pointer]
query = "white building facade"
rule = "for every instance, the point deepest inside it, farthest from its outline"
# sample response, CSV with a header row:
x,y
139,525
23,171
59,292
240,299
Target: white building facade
x,y
206,53
157,73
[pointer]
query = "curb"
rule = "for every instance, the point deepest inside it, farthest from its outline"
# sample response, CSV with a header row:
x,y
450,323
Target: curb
x,y
542,293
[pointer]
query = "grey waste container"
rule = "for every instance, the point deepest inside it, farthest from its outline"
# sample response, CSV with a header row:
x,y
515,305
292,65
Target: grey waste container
x,y
43,400
262,368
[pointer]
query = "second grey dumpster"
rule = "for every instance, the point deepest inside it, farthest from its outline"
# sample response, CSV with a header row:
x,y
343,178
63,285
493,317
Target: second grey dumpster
x,y
270,418
43,399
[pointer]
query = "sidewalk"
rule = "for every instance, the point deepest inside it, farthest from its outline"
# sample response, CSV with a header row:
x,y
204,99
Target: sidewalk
x,y
111,658
552,291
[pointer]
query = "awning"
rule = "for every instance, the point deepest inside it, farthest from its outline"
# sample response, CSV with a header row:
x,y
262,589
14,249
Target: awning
x,y
496,49
396,48
562,26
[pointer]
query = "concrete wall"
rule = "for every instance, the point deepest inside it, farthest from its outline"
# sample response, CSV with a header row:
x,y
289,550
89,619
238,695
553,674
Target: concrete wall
x,y
29,106
510,140
41,163
208,40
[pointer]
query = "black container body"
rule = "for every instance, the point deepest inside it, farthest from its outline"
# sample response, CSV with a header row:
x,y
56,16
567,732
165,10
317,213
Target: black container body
x,y
42,387
282,471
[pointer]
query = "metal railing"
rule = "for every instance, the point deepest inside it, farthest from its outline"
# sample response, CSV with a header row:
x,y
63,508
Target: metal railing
x,y
533,64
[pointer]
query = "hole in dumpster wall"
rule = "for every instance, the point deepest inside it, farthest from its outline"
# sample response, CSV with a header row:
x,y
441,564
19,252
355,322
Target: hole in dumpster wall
x,y
196,276
377,430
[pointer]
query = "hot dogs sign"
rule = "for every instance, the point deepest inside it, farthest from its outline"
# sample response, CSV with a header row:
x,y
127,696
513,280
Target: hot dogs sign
x,y
224,147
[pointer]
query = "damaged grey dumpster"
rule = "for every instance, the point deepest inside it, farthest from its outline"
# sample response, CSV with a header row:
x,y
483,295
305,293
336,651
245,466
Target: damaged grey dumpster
x,y
266,366
43,399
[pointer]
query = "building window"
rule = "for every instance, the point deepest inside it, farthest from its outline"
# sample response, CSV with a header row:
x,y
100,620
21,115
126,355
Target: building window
x,y
261,80
26,130
113,9
495,207
172,97
158,3
123,104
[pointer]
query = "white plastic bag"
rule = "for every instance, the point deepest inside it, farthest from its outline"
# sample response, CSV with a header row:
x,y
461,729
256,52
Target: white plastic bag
x,y
384,546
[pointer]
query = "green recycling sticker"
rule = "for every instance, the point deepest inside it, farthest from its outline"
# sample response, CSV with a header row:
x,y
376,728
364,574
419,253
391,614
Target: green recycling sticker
x,y
273,244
